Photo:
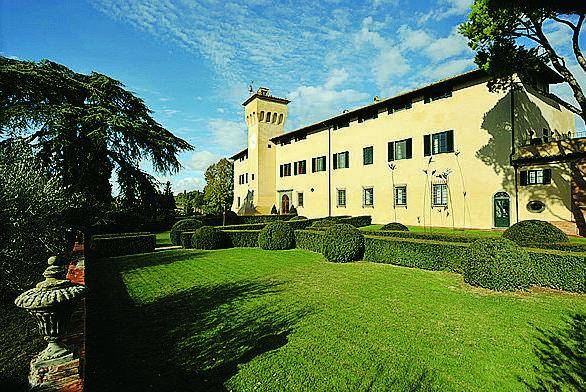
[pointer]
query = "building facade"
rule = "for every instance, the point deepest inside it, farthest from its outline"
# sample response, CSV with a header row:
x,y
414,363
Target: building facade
x,y
449,154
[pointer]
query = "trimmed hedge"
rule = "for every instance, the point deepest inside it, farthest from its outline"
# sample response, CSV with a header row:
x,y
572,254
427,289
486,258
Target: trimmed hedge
x,y
248,219
209,238
242,238
128,234
246,226
498,264
533,232
559,270
312,240
564,246
357,221
343,243
442,237
181,226
409,252
396,226
277,236
110,246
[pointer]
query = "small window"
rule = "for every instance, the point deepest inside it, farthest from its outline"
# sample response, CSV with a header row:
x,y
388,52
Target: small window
x,y
439,194
280,118
252,177
246,176
401,149
300,199
342,160
285,170
400,195
535,177
438,93
536,206
299,167
274,118
438,143
367,155
341,197
318,164
262,116
407,104
268,117
368,197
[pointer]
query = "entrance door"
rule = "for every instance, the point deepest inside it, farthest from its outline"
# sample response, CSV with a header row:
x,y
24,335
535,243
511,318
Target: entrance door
x,y
285,204
502,209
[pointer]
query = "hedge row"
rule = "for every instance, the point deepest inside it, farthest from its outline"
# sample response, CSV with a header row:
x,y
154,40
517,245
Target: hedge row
x,y
110,246
444,237
127,234
309,240
251,219
551,268
358,221
410,252
242,238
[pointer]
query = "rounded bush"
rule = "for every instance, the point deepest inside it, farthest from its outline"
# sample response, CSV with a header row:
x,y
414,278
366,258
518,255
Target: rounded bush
x,y
208,237
276,236
181,226
532,232
395,226
232,218
299,217
343,243
497,264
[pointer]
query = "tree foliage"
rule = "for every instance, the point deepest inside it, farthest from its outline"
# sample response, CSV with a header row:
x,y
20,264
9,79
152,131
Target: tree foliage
x,y
36,213
219,189
85,127
510,38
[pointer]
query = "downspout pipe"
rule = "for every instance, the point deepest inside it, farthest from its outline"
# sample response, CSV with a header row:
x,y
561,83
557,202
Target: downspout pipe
x,y
513,151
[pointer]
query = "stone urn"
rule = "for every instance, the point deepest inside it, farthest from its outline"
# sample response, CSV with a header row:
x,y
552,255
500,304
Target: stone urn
x,y
51,303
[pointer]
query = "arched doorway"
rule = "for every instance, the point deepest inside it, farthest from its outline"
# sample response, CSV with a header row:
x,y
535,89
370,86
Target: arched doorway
x,y
501,209
285,204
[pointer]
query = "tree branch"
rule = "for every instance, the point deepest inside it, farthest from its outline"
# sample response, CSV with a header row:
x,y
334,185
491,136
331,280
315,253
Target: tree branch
x,y
575,44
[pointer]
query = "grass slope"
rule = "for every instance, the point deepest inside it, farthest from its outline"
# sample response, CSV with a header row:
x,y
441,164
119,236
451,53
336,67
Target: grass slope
x,y
248,319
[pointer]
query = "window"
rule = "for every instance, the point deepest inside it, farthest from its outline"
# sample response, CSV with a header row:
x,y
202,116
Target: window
x,y
340,124
439,93
535,177
300,137
341,197
246,178
367,155
280,118
341,160
368,115
438,143
318,164
439,194
368,197
300,199
400,195
285,170
252,175
299,167
274,118
401,149
268,117
262,116
238,201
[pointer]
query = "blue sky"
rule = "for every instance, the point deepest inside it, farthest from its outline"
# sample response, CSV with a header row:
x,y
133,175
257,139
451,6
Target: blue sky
x,y
191,61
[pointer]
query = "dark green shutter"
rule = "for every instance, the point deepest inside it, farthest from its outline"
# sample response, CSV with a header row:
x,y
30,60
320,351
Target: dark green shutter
x,y
426,145
335,161
547,176
450,142
313,165
295,168
281,170
523,177
391,151
409,149
347,159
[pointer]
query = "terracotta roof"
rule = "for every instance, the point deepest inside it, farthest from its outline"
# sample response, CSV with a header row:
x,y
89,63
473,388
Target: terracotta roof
x,y
266,98
238,154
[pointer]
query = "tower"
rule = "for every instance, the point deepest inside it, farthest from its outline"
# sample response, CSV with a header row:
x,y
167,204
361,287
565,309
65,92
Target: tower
x,y
265,117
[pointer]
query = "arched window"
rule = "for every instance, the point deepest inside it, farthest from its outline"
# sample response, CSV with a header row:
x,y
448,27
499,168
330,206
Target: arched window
x,y
274,118
268,116
280,118
262,116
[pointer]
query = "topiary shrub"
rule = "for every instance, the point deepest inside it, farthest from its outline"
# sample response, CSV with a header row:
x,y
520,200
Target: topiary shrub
x,y
343,243
293,211
276,236
497,264
395,226
534,232
274,210
207,237
324,223
181,226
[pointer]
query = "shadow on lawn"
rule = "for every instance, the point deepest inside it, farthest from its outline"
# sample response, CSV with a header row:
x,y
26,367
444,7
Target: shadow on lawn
x,y
562,357
193,340
158,257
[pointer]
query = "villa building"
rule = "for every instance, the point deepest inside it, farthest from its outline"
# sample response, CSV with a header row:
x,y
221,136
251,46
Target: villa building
x,y
449,154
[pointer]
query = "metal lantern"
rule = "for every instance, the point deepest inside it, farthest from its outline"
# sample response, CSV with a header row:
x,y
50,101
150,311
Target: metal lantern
x,y
51,303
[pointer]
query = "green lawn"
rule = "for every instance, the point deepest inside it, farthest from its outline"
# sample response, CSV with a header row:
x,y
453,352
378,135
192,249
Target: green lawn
x,y
472,232
248,319
164,239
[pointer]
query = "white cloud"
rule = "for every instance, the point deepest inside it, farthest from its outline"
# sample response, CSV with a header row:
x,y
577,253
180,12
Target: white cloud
x,y
449,68
450,46
169,112
336,78
230,135
187,184
413,39
389,63
453,8
201,160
